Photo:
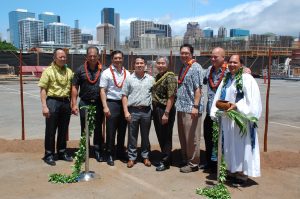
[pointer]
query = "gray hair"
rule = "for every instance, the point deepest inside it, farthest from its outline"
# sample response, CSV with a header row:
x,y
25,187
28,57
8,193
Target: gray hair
x,y
163,57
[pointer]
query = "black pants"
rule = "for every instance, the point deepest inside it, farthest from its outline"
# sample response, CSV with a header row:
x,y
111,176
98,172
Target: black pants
x,y
98,138
60,113
115,123
164,132
208,137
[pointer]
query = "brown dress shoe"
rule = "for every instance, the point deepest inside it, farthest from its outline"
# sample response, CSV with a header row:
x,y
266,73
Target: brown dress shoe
x,y
147,162
130,163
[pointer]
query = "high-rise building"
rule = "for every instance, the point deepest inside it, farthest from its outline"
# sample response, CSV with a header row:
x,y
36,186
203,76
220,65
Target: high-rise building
x,y
14,17
49,17
86,37
164,27
76,34
59,33
138,27
106,35
237,32
108,16
208,32
31,32
117,29
193,33
155,31
222,32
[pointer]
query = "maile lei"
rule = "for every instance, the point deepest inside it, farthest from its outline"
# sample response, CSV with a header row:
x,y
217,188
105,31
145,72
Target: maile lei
x,y
162,78
97,74
79,155
189,64
114,77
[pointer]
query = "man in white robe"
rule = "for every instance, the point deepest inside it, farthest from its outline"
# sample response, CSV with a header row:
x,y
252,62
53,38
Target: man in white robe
x,y
241,153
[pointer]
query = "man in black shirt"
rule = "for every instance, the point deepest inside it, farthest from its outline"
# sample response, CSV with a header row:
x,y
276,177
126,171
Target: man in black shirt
x,y
87,78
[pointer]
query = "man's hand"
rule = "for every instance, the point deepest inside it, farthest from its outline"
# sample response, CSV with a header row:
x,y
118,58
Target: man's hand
x,y
164,119
194,113
75,110
46,112
106,112
128,117
232,106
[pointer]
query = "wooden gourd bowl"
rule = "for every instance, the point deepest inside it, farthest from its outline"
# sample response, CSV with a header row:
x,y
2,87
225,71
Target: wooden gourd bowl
x,y
222,105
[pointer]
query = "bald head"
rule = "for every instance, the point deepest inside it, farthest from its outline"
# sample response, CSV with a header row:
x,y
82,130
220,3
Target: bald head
x,y
217,57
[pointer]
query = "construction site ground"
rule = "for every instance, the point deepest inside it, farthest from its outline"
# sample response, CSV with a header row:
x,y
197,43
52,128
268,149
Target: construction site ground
x,y
23,173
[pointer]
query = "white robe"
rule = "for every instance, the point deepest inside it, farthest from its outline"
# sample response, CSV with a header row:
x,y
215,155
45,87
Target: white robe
x,y
238,153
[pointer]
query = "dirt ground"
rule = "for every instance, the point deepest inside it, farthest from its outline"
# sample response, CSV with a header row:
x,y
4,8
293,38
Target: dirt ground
x,y
24,175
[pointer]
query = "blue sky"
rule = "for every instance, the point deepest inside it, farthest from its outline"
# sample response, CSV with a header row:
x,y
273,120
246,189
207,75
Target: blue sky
x,y
259,16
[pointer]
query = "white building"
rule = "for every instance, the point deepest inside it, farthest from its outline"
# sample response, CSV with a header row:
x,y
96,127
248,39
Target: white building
x,y
31,32
59,34
106,35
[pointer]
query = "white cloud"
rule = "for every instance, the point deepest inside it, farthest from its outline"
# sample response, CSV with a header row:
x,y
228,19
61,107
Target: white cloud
x,y
261,16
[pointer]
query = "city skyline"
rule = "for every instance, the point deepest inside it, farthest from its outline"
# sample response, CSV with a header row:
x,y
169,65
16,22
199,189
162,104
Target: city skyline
x,y
258,16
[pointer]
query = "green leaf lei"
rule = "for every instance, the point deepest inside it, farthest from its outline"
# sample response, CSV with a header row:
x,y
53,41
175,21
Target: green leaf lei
x,y
218,191
238,79
163,77
79,155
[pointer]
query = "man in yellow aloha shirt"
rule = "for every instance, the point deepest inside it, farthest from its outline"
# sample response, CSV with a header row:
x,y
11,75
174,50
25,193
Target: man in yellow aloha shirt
x,y
55,85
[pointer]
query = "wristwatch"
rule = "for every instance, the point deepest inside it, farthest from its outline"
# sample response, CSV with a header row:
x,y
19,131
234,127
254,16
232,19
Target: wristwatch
x,y
196,106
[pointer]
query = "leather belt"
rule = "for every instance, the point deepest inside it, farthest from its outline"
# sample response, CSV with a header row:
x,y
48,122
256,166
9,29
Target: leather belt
x,y
62,99
140,107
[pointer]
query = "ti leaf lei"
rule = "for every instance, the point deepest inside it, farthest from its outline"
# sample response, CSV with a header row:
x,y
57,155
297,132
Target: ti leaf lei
x,y
218,191
79,155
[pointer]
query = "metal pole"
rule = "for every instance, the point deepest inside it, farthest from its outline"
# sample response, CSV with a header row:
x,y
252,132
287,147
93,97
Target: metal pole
x,y
21,95
87,175
87,141
267,103
219,146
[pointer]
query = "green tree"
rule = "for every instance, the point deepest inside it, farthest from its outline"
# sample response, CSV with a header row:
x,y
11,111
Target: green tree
x,y
7,46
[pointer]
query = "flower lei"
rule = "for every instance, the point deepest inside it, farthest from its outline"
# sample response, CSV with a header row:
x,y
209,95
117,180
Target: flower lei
x,y
211,82
114,77
162,78
180,80
97,74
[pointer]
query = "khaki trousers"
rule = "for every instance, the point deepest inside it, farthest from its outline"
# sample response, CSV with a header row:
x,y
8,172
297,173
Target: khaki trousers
x,y
189,131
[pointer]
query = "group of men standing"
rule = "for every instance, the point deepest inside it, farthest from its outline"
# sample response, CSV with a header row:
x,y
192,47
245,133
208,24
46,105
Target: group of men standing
x,y
133,99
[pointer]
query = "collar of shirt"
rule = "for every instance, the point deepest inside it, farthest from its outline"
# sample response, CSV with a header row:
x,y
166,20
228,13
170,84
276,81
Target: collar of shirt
x,y
116,70
135,76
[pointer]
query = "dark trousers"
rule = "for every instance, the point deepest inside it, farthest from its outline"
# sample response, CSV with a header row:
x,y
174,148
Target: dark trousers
x,y
60,113
115,123
140,120
164,132
208,138
98,138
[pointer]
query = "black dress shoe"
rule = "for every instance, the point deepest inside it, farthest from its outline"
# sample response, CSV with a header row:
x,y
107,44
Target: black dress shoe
x,y
99,157
65,157
162,167
49,160
110,161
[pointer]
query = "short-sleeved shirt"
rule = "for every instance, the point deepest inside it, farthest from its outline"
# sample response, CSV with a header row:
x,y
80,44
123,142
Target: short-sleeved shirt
x,y
88,90
107,82
164,89
216,75
186,90
138,90
56,81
